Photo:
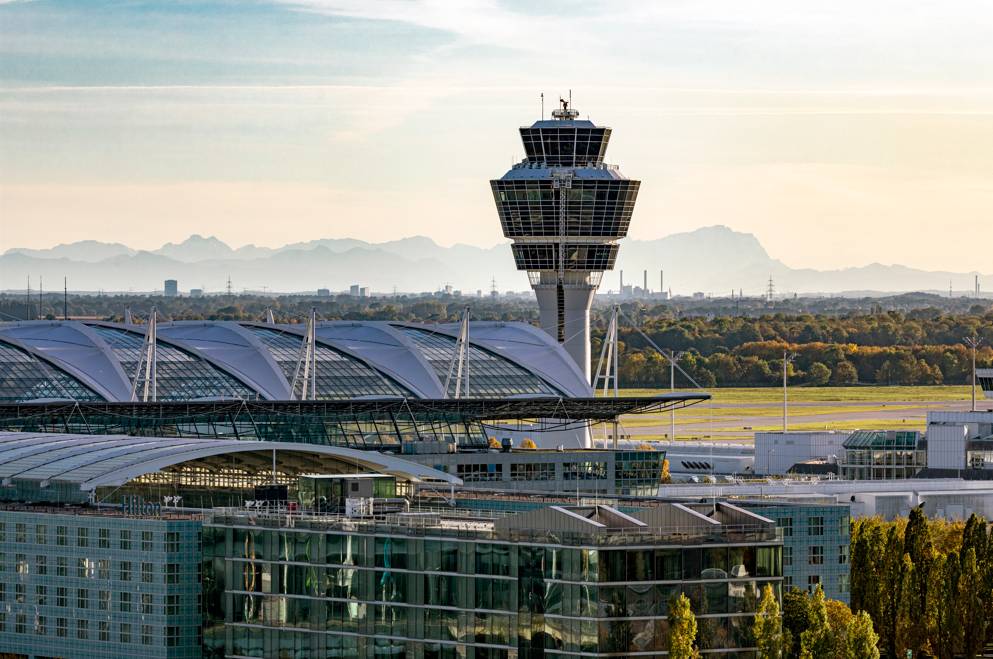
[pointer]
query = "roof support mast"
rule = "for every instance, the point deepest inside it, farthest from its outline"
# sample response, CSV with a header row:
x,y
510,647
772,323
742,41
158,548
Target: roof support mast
x,y
145,370
306,370
460,360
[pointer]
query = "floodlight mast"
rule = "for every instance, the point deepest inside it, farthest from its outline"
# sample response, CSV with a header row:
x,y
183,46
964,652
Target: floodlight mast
x,y
974,343
673,356
565,211
788,358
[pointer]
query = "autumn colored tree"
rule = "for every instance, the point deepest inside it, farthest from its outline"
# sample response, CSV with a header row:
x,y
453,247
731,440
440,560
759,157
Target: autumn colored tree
x,y
768,626
861,640
682,629
815,640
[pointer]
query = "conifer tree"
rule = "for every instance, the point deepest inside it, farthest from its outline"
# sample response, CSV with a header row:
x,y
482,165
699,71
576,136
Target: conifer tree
x,y
972,605
815,641
768,626
682,629
861,639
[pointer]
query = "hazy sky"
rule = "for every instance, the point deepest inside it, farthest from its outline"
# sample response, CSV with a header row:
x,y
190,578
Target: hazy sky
x,y
840,133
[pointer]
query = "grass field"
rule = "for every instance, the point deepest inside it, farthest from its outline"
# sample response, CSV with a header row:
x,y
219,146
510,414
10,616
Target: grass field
x,y
734,414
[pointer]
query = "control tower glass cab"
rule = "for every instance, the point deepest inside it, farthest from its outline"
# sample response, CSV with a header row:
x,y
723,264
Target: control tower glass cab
x,y
565,209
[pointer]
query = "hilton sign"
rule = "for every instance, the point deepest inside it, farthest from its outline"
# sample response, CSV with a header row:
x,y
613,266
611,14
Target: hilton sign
x,y
135,506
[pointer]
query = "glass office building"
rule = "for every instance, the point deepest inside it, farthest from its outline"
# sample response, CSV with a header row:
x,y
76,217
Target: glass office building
x,y
816,544
883,455
559,581
91,584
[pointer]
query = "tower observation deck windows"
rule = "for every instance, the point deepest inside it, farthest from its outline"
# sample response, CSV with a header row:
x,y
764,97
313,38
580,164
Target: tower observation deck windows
x,y
179,376
600,208
545,256
565,146
339,376
490,376
24,377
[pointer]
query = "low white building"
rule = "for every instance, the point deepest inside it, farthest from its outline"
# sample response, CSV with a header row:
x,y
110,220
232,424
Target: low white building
x,y
776,452
959,440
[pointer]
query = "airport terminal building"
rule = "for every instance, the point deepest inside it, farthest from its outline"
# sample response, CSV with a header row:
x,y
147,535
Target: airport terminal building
x,y
135,561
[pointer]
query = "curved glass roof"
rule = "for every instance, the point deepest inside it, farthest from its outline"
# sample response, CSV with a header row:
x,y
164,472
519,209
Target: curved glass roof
x,y
489,375
24,377
338,375
179,376
210,360
92,461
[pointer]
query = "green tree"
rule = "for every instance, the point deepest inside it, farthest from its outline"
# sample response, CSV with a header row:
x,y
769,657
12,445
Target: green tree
x,y
815,640
838,617
946,632
844,373
861,639
919,550
796,614
768,626
972,605
818,374
682,629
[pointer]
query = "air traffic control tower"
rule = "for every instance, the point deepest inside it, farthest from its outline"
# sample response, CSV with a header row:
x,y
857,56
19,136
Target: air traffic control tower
x,y
565,209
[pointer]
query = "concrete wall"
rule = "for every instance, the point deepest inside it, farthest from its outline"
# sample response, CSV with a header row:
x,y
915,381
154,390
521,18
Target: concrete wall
x,y
946,446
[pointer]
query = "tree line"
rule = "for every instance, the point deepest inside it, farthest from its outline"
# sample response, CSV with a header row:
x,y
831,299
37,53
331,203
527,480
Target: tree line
x,y
918,586
926,584
912,348
806,626
905,347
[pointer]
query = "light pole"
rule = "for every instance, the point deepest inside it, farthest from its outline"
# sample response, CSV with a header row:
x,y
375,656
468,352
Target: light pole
x,y
788,358
973,343
673,356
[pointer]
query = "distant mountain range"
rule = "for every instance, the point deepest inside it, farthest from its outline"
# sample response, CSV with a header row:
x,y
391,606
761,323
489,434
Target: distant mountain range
x,y
711,260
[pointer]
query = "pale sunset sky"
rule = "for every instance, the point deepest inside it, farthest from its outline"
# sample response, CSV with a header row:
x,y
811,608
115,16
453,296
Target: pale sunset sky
x,y
839,133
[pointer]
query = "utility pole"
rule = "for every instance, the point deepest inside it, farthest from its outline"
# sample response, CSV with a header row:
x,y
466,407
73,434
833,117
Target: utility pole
x,y
973,342
788,358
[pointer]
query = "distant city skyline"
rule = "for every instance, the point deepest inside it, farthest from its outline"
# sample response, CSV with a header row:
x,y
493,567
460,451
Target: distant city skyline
x,y
839,135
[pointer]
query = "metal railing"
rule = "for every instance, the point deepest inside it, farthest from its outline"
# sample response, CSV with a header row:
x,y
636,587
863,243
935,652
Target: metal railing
x,y
461,523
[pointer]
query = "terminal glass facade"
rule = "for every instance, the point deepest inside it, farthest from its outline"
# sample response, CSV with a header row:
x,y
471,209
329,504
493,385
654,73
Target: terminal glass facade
x,y
322,589
883,455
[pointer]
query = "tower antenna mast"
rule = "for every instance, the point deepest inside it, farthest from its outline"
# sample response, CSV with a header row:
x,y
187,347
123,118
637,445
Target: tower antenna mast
x,y
565,267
